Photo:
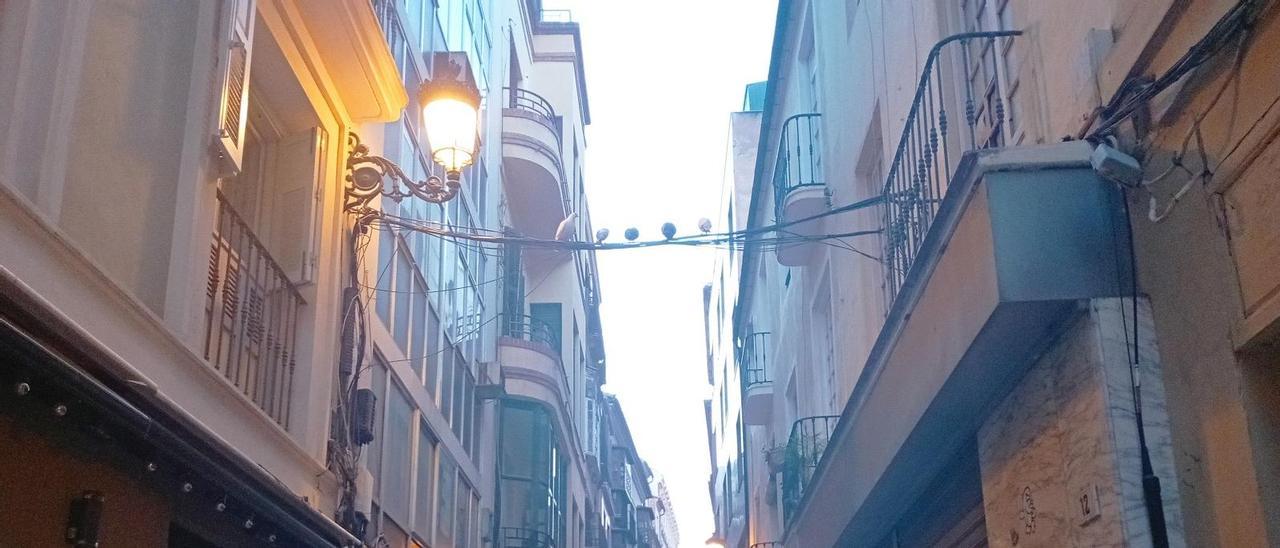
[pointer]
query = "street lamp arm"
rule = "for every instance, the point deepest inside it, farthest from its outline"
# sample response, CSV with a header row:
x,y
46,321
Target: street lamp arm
x,y
370,176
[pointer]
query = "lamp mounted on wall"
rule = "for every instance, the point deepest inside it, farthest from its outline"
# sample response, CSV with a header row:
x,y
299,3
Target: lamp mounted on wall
x,y
450,103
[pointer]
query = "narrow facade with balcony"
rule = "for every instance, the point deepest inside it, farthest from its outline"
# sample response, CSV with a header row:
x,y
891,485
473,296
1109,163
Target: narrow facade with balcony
x,y
977,331
203,346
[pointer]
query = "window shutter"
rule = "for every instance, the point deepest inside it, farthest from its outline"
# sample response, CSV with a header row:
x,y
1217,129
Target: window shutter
x,y
297,172
233,111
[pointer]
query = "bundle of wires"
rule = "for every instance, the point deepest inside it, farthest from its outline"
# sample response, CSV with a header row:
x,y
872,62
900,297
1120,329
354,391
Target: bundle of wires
x,y
1136,92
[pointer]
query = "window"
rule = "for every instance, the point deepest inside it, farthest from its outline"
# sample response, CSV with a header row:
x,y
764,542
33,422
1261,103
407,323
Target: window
x,y
397,461
418,350
809,60
474,519
988,72
424,482
402,313
473,412
447,503
531,471
446,381
459,413
462,519
433,359
386,253
549,315
373,452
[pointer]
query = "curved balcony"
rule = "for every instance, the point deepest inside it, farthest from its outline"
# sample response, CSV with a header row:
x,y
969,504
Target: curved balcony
x,y
806,444
799,189
529,354
757,405
531,156
517,537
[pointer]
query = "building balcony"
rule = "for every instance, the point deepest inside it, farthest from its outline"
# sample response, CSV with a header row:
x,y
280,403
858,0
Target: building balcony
x,y
799,189
757,404
529,356
807,443
516,537
767,545
1022,237
251,316
531,155
646,536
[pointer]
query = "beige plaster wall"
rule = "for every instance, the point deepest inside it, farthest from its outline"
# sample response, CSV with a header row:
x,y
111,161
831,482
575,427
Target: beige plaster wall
x,y
1065,440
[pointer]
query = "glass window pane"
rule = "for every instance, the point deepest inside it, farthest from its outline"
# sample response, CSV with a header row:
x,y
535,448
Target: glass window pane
x,y
396,462
459,412
473,413
475,518
463,514
424,492
373,460
404,289
444,517
382,300
433,359
418,351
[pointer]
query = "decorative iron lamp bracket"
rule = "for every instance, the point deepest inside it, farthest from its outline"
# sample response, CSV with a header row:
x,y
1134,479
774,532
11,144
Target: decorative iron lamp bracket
x,y
370,176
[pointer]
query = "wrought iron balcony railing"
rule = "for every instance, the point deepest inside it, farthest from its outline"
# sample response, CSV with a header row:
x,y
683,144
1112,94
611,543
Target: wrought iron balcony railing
x,y
530,329
251,316
766,545
931,144
516,537
537,105
556,16
754,358
645,534
392,26
799,162
805,446
523,99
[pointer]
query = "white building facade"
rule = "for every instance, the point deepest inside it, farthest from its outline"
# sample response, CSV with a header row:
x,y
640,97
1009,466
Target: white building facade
x,y
961,329
183,280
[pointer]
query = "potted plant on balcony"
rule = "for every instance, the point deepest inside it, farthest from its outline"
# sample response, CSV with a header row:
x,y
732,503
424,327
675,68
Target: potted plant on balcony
x,y
775,456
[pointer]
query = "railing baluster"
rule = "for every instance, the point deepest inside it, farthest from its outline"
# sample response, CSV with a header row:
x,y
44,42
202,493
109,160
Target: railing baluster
x,y
805,446
920,173
754,359
799,161
251,316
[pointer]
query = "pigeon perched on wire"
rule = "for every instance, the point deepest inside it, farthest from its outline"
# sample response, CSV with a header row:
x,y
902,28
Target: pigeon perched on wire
x,y
568,228
704,224
668,230
601,235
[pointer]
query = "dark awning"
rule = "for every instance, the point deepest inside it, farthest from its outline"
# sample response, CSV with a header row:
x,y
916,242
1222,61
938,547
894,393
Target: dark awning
x,y
115,416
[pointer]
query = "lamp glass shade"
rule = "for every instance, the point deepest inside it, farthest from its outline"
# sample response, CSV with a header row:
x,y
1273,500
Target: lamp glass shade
x,y
451,130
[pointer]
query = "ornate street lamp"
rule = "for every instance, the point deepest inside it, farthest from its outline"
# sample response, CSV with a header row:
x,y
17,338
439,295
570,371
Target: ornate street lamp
x,y
450,105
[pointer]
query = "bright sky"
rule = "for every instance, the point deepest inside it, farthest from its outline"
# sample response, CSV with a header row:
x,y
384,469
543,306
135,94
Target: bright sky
x,y
662,77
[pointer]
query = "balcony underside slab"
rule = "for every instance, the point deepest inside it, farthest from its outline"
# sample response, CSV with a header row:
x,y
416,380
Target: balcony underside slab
x,y
758,406
801,202
530,371
1024,236
531,163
